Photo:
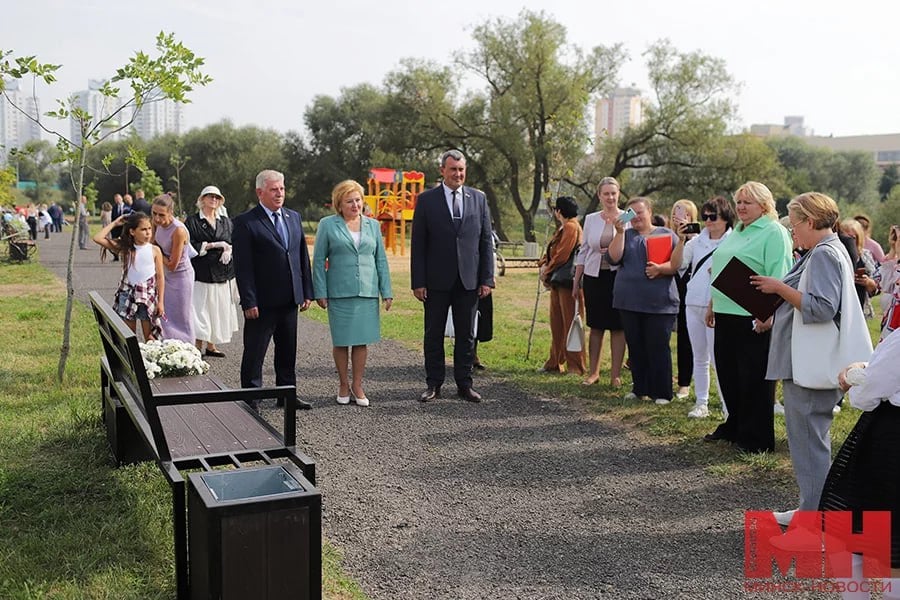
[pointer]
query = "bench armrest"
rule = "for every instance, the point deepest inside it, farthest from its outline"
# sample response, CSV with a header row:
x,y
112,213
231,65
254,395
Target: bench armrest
x,y
281,392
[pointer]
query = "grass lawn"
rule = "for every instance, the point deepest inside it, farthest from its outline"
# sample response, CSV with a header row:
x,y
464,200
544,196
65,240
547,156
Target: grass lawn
x,y
73,526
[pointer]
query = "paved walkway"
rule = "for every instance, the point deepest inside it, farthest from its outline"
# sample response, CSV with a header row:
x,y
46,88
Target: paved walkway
x,y
517,497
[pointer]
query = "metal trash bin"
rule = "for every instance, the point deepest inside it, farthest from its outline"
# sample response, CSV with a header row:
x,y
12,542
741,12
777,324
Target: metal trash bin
x,y
254,533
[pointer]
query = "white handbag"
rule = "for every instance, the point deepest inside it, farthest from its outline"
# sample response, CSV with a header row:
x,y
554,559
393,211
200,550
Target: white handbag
x,y
820,350
449,330
575,339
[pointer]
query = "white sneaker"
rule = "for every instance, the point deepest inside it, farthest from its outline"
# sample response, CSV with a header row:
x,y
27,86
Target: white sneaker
x,y
784,518
683,392
700,411
662,401
630,397
836,409
779,408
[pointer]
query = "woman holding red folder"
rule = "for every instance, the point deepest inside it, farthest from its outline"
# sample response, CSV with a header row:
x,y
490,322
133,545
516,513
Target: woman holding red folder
x,y
646,298
741,342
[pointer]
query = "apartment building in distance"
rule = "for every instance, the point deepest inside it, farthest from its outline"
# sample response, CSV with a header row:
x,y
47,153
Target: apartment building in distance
x,y
623,108
98,106
885,148
16,129
158,117
155,117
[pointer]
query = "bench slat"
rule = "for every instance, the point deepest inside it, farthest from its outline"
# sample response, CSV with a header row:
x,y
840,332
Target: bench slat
x,y
214,436
250,433
178,435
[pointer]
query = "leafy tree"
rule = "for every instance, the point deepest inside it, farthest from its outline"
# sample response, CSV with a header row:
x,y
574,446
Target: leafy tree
x,y
7,183
846,176
532,115
150,183
37,161
889,178
178,162
171,74
682,147
888,214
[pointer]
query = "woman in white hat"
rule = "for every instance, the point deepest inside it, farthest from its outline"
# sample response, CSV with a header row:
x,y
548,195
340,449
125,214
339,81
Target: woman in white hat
x,y
215,293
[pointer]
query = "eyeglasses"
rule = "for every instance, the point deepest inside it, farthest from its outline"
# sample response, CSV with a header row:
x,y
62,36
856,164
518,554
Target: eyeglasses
x,y
713,217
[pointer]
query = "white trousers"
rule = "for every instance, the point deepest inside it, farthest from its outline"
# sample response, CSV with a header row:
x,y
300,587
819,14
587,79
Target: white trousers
x,y
702,338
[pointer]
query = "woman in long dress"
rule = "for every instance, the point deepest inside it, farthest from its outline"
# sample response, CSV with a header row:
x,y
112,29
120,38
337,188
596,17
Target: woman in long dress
x,y
172,237
215,312
350,272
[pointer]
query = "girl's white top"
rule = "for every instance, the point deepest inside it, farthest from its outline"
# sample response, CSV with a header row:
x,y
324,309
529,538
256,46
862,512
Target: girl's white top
x,y
143,267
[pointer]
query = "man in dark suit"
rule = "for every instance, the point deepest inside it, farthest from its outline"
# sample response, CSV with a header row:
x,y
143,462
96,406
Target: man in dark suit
x,y
118,209
271,264
452,264
140,203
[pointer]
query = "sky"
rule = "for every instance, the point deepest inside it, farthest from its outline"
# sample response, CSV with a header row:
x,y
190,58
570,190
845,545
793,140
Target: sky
x,y
834,63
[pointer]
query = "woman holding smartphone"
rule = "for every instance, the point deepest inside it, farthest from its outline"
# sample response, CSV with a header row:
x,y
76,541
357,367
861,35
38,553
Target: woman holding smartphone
x,y
597,276
695,255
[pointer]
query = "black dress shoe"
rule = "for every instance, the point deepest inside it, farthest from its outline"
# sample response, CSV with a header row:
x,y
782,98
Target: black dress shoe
x,y
215,353
469,395
716,436
432,393
301,404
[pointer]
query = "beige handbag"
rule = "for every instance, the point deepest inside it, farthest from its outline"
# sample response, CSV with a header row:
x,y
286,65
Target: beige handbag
x,y
575,339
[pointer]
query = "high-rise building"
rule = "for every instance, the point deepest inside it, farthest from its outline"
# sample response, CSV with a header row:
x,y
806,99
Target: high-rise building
x,y
16,129
624,108
157,117
99,107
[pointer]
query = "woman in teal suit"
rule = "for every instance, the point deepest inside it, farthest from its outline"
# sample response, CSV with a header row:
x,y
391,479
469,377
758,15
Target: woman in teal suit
x,y
350,285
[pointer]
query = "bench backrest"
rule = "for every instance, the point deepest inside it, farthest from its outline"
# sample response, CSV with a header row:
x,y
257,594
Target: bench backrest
x,y
123,354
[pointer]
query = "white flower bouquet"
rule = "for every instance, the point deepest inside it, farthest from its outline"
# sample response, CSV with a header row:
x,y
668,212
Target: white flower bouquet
x,y
172,358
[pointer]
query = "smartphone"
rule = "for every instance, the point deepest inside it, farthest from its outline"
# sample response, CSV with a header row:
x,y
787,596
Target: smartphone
x,y
680,214
691,228
627,215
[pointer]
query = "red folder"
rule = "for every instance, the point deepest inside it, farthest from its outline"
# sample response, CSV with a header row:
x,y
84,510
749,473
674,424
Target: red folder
x,y
659,249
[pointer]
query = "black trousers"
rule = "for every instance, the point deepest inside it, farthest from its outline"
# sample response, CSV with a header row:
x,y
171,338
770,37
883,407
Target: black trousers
x,y
741,360
684,352
280,325
465,304
647,336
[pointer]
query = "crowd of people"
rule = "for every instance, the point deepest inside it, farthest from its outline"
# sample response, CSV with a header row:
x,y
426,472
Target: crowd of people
x,y
626,271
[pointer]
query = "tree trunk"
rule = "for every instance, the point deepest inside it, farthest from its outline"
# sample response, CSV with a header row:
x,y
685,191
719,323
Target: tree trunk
x,y
70,273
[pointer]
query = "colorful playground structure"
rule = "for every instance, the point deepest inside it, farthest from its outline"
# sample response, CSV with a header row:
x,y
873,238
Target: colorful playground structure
x,y
392,199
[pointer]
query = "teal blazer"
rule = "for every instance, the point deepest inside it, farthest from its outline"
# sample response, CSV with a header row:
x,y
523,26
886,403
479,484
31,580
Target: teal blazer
x,y
351,271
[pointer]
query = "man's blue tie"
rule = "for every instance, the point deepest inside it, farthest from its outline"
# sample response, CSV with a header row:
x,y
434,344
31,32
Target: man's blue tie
x,y
280,228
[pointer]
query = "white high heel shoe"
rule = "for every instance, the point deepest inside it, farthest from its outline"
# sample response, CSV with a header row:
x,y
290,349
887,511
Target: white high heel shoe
x,y
360,401
343,399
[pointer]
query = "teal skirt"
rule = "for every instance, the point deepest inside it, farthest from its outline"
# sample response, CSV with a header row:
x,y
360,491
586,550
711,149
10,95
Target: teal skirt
x,y
354,321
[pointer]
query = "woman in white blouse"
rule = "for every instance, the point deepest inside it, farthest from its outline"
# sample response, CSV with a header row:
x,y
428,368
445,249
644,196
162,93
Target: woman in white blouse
x,y
718,218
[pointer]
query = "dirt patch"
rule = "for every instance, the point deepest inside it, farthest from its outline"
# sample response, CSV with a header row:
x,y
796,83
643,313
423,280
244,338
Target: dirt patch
x,y
14,290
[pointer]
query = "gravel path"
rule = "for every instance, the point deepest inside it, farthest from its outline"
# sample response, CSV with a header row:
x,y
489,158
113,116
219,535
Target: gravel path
x,y
516,497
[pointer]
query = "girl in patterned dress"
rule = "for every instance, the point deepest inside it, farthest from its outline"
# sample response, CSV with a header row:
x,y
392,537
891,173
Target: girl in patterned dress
x,y
140,293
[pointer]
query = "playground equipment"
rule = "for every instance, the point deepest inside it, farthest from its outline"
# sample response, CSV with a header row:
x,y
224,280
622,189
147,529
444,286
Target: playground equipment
x,y
392,199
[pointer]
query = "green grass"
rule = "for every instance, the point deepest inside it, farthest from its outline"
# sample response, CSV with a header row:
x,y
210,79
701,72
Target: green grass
x,y
508,358
74,527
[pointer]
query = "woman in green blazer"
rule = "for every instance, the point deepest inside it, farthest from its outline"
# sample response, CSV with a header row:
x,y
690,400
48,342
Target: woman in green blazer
x,y
350,272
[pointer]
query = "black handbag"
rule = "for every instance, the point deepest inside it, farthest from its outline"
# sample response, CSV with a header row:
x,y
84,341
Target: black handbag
x,y
564,275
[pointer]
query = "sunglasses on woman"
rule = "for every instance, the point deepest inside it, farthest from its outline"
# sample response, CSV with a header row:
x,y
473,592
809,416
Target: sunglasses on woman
x,y
707,217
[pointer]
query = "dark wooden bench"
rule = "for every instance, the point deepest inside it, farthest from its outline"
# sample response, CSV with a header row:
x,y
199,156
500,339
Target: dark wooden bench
x,y
188,424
